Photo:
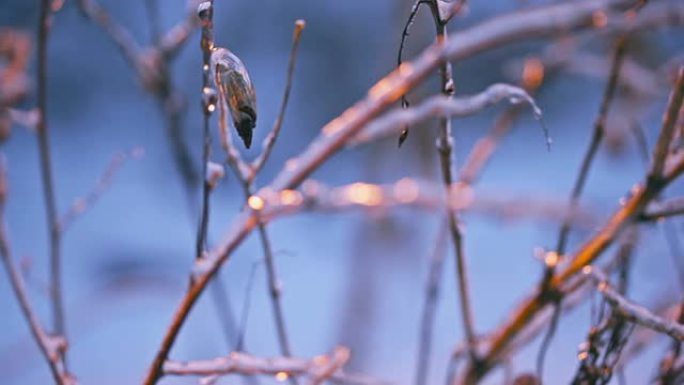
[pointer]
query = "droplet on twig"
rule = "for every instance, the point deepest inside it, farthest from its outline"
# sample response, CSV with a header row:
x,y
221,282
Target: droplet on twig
x,y
235,86
205,11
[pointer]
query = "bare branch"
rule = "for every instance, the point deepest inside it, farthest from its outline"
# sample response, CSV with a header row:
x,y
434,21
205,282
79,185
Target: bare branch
x,y
51,346
662,148
631,311
597,136
317,369
270,139
52,216
443,106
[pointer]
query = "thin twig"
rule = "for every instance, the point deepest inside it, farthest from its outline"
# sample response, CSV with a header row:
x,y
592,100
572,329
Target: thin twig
x,y
404,35
206,14
662,148
664,209
442,107
597,136
51,346
580,181
430,307
445,149
272,136
52,216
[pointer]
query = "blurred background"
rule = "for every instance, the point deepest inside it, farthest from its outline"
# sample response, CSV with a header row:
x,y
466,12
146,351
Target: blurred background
x,y
355,279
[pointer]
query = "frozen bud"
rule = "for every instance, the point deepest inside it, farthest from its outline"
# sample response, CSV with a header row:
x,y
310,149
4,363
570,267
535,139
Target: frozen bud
x,y
234,84
215,172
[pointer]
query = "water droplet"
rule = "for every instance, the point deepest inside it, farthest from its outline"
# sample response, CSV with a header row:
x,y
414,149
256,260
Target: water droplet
x,y
205,11
255,203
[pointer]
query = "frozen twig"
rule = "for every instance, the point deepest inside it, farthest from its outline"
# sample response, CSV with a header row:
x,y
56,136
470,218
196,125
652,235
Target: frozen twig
x,y
445,150
51,346
662,148
539,22
664,209
430,307
52,216
580,181
317,369
205,13
632,311
84,203
597,136
269,141
444,107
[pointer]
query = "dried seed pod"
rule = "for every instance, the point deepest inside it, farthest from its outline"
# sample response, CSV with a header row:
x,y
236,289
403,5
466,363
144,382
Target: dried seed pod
x,y
232,80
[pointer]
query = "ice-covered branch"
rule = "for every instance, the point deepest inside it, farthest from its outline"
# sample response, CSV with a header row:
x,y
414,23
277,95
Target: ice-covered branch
x,y
632,311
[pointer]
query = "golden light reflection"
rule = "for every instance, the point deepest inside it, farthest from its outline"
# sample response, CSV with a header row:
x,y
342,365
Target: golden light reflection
x,y
533,73
551,259
380,89
291,197
282,376
255,203
406,190
363,194
405,69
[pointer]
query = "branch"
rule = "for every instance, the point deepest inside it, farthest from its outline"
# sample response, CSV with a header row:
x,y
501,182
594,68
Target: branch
x,y
430,307
597,136
664,209
175,38
52,347
205,14
634,312
317,369
662,148
272,136
52,217
444,107
445,149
